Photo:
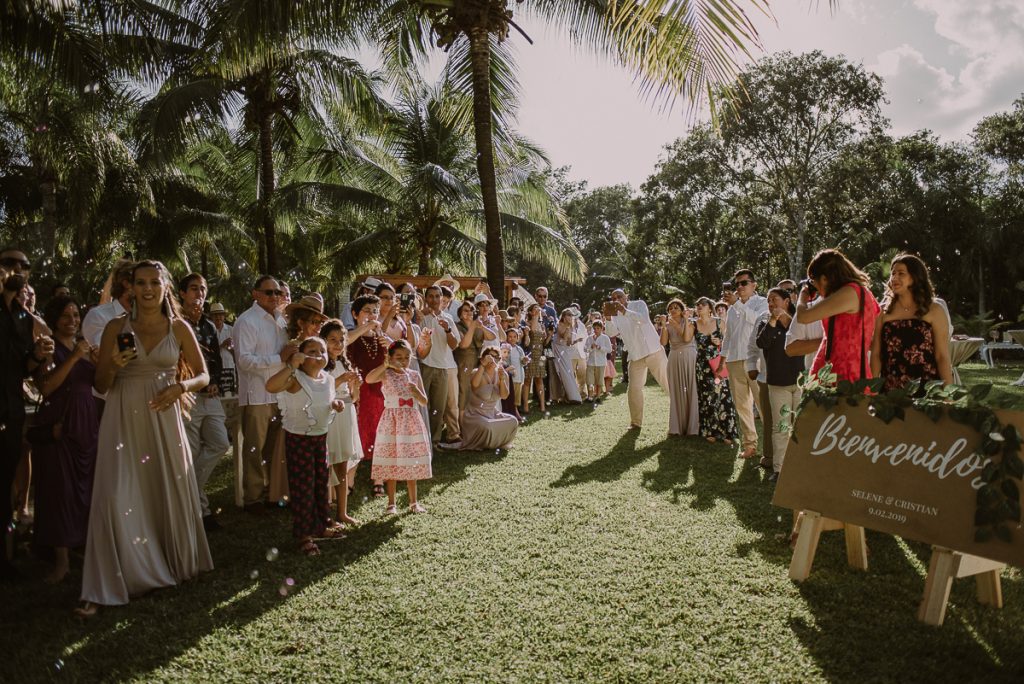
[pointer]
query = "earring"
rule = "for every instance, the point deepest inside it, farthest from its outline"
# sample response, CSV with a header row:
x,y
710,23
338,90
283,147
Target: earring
x,y
135,309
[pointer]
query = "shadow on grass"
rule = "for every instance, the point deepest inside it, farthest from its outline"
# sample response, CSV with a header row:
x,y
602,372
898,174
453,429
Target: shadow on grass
x,y
623,456
861,619
248,580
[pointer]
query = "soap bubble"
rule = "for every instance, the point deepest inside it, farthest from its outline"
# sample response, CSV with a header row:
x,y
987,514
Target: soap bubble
x,y
254,574
272,554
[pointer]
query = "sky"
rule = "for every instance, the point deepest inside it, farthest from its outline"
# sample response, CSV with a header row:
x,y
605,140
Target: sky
x,y
946,64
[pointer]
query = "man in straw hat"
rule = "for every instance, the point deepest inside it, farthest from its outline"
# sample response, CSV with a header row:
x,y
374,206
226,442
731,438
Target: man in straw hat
x,y
258,339
206,426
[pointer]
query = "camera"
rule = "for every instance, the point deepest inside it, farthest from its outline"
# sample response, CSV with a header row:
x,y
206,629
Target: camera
x,y
728,286
405,301
809,284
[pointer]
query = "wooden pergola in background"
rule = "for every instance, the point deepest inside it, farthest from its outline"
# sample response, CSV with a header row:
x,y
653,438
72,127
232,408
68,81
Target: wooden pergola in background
x,y
468,282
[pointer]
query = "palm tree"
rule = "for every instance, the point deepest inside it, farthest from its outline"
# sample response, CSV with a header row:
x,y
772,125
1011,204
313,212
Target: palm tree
x,y
244,64
416,182
676,47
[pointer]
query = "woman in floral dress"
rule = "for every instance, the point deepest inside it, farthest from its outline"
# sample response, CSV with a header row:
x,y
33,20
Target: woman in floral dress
x,y
717,414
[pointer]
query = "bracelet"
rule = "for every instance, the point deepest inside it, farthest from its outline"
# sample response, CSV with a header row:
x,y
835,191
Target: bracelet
x,y
182,386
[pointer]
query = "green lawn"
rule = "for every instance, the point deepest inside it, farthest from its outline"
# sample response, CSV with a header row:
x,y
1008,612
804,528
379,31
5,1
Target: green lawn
x,y
586,553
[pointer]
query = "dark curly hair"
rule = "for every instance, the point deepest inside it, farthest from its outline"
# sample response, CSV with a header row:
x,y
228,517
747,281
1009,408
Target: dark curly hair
x,y
921,289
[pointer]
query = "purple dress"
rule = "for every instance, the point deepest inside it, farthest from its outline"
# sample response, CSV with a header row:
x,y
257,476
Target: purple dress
x,y
63,471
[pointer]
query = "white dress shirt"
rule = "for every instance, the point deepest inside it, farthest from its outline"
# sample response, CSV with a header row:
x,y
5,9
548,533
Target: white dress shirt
x,y
755,355
440,355
578,350
740,323
226,357
634,328
805,331
259,338
598,348
97,318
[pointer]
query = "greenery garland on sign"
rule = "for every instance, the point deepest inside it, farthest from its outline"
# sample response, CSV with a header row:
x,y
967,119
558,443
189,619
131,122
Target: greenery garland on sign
x,y
998,500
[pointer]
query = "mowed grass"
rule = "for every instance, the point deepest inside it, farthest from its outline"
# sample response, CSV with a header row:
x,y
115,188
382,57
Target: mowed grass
x,y
585,554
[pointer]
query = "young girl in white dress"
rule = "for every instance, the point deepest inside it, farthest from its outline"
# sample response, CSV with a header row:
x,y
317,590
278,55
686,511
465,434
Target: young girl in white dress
x,y
344,450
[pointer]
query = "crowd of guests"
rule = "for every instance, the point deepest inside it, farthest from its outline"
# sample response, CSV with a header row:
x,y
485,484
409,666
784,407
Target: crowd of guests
x,y
132,414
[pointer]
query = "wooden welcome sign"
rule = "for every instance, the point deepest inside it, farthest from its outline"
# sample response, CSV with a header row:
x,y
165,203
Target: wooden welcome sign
x,y
914,478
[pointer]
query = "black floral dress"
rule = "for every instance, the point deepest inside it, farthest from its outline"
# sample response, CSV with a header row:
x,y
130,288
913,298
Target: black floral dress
x,y
908,353
714,401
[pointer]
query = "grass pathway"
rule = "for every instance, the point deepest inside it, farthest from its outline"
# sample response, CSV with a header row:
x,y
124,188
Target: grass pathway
x,y
585,554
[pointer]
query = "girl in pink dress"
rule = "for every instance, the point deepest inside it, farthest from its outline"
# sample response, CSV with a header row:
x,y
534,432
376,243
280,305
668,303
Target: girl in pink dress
x,y
401,450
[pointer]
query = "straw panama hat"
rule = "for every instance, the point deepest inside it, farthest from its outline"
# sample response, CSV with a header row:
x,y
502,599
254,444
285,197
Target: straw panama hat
x,y
312,302
447,279
217,308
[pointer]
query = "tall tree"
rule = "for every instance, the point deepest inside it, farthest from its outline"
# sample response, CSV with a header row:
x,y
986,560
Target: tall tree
x,y
798,114
677,47
265,63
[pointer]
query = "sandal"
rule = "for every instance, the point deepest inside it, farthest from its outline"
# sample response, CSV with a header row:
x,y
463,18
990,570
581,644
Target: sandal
x,y
765,463
335,531
309,548
378,490
391,510
86,610
417,508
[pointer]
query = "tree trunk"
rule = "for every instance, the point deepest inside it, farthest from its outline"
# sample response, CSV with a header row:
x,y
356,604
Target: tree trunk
x,y
267,191
203,264
981,288
797,265
424,264
480,58
48,190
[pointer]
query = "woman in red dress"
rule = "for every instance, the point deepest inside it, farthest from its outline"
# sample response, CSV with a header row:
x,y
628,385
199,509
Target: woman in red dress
x,y
847,310
366,350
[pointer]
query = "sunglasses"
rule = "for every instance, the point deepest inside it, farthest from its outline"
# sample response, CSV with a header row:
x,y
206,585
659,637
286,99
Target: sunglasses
x,y
272,293
743,283
11,262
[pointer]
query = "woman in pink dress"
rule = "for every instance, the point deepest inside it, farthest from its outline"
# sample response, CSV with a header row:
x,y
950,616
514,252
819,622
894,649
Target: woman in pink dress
x,y
847,310
402,448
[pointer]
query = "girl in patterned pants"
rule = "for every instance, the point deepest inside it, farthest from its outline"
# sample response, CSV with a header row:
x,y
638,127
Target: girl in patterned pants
x,y
305,394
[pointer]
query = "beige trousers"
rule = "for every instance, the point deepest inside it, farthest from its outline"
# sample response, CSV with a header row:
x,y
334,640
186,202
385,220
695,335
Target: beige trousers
x,y
435,386
451,412
579,367
744,393
261,424
657,364
782,395
595,378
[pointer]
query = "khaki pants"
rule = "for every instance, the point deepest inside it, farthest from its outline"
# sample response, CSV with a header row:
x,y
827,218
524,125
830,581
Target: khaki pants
x,y
764,407
595,378
517,393
657,364
782,396
261,424
579,367
435,386
451,413
744,393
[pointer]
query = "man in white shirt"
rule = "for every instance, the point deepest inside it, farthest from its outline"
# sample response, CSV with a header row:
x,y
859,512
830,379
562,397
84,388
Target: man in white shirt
x,y
121,303
632,324
258,339
438,368
745,308
577,350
